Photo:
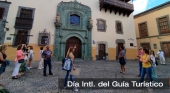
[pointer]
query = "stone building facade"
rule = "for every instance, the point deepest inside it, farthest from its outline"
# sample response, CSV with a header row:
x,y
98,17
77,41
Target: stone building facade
x,y
4,7
96,30
153,29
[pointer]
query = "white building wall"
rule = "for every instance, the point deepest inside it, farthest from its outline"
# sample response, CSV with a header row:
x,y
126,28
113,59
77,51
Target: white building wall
x,y
45,13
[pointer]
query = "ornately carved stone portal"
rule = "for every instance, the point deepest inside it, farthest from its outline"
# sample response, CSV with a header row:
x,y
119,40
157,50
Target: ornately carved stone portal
x,y
66,29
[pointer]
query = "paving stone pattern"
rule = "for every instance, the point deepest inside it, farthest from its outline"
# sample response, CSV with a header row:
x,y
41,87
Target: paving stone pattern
x,y
33,81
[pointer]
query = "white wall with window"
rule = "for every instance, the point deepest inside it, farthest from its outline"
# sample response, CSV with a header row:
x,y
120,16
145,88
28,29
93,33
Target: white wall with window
x,y
45,14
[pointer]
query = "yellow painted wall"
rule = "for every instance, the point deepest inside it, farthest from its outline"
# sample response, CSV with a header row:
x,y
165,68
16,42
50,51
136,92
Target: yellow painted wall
x,y
112,53
154,40
131,53
11,51
94,53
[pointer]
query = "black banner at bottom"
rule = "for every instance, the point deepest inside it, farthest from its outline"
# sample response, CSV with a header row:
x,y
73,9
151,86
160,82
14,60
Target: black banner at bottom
x,y
114,83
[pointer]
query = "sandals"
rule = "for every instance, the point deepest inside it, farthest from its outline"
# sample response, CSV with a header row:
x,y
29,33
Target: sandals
x,y
21,73
18,76
15,77
122,73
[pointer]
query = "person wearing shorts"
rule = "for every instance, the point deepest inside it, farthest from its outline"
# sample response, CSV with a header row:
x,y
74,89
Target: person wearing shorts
x,y
122,59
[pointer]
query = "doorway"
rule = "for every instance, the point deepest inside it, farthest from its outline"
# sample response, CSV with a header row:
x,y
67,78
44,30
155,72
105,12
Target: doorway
x,y
102,51
74,41
118,48
166,49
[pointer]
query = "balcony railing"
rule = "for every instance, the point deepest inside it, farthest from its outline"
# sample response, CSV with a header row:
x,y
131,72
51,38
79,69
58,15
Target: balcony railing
x,y
25,23
120,4
125,0
117,6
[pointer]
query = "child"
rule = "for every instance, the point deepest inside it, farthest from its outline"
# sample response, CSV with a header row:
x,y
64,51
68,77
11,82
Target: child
x,y
31,56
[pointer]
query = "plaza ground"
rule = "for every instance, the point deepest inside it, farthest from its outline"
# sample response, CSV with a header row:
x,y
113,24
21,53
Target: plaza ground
x,y
33,81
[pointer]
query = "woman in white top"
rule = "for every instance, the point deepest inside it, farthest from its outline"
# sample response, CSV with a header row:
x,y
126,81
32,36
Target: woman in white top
x,y
152,56
30,57
41,59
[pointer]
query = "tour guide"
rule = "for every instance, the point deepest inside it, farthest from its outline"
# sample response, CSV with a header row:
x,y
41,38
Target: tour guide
x,y
47,60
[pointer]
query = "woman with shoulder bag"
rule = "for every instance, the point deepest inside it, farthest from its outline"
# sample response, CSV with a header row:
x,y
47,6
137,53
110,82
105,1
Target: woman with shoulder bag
x,y
152,56
2,61
71,56
18,61
153,60
23,66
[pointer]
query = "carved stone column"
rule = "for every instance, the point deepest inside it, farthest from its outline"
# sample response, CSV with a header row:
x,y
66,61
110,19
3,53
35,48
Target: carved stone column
x,y
89,40
62,52
57,38
90,46
83,50
58,25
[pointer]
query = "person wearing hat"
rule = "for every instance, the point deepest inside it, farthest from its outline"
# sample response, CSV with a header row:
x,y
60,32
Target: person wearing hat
x,y
140,53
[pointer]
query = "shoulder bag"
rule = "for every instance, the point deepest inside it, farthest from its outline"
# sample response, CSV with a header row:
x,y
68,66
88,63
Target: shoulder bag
x,y
156,62
66,63
153,74
21,61
67,66
63,60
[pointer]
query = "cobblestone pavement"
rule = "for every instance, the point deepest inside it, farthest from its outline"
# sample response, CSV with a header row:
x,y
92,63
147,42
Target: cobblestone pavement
x,y
33,81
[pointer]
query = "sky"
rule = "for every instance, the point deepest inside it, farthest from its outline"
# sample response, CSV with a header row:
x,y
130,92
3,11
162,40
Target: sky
x,y
142,5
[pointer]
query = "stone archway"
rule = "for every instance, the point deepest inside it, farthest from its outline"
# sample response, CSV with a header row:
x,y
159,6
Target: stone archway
x,y
79,39
74,41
